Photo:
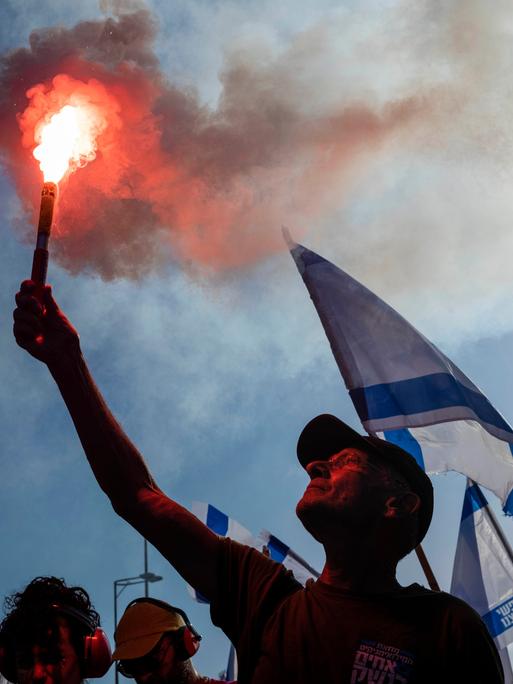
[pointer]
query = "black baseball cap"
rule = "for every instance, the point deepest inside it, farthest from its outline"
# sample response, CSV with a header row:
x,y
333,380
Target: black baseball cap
x,y
326,435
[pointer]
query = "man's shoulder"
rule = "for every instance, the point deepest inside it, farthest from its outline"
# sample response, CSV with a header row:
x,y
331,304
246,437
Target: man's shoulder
x,y
440,597
442,602
245,571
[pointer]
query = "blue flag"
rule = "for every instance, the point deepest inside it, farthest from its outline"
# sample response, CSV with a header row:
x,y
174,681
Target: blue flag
x,y
404,389
483,570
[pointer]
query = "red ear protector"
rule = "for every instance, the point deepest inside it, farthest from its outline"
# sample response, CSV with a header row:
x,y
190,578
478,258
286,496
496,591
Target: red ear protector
x,y
187,639
96,657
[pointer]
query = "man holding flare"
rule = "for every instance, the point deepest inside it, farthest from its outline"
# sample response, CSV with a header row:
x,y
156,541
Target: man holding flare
x,y
368,503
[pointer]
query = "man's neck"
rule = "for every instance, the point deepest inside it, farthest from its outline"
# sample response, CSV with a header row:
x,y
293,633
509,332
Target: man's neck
x,y
359,566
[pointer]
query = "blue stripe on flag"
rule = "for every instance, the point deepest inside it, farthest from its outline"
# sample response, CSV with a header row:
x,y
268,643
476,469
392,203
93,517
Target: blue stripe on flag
x,y
277,549
473,501
404,439
419,395
508,506
217,521
500,618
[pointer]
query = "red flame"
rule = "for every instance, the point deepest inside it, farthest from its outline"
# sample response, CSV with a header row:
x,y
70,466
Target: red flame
x,y
67,141
65,120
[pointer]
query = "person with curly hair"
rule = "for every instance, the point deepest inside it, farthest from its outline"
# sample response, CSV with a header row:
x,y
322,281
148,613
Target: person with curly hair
x,y
51,634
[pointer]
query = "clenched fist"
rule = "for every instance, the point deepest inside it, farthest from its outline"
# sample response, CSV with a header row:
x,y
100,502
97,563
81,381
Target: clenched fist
x,y
41,328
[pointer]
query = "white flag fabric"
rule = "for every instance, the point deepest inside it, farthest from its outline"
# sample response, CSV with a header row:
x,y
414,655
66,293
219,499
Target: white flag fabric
x,y
232,670
506,666
483,570
404,389
281,553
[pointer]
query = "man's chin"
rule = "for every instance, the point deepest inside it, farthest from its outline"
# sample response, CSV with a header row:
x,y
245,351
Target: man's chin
x,y
310,514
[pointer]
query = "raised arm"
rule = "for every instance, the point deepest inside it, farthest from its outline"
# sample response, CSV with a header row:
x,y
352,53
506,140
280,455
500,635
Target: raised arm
x,y
118,466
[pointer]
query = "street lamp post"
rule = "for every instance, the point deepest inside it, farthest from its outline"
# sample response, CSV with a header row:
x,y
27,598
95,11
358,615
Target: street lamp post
x,y
120,585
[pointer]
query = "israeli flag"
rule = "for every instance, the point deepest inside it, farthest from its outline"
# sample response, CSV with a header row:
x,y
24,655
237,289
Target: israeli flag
x,y
282,553
404,389
222,525
483,571
225,526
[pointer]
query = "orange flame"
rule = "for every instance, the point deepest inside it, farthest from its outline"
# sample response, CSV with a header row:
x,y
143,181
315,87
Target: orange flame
x,y
68,140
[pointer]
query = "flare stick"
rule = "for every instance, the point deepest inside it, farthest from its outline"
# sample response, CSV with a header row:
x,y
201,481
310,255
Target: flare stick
x,y
44,227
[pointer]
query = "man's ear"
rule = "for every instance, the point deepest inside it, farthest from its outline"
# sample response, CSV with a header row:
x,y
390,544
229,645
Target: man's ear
x,y
401,505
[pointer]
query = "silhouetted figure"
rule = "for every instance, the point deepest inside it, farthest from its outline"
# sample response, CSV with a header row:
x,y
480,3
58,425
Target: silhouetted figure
x,y
368,503
51,634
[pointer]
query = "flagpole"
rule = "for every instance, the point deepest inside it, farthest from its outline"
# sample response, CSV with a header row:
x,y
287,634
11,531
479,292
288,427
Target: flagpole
x,y
426,567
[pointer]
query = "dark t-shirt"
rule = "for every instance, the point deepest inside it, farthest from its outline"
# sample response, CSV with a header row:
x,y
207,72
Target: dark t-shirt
x,y
320,635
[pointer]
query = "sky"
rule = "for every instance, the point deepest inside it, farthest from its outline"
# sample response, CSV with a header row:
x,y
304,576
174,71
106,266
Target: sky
x,y
380,133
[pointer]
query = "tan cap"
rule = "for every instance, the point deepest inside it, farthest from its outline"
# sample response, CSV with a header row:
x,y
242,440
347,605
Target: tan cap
x,y
141,627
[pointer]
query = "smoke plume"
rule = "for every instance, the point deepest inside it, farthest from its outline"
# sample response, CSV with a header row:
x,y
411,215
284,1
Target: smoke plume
x,y
383,131
174,179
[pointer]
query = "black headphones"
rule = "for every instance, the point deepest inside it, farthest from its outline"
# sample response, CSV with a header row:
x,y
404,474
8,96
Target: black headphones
x,y
96,656
186,640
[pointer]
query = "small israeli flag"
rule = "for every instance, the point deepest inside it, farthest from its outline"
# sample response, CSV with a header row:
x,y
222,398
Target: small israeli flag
x,y
483,571
222,525
225,526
